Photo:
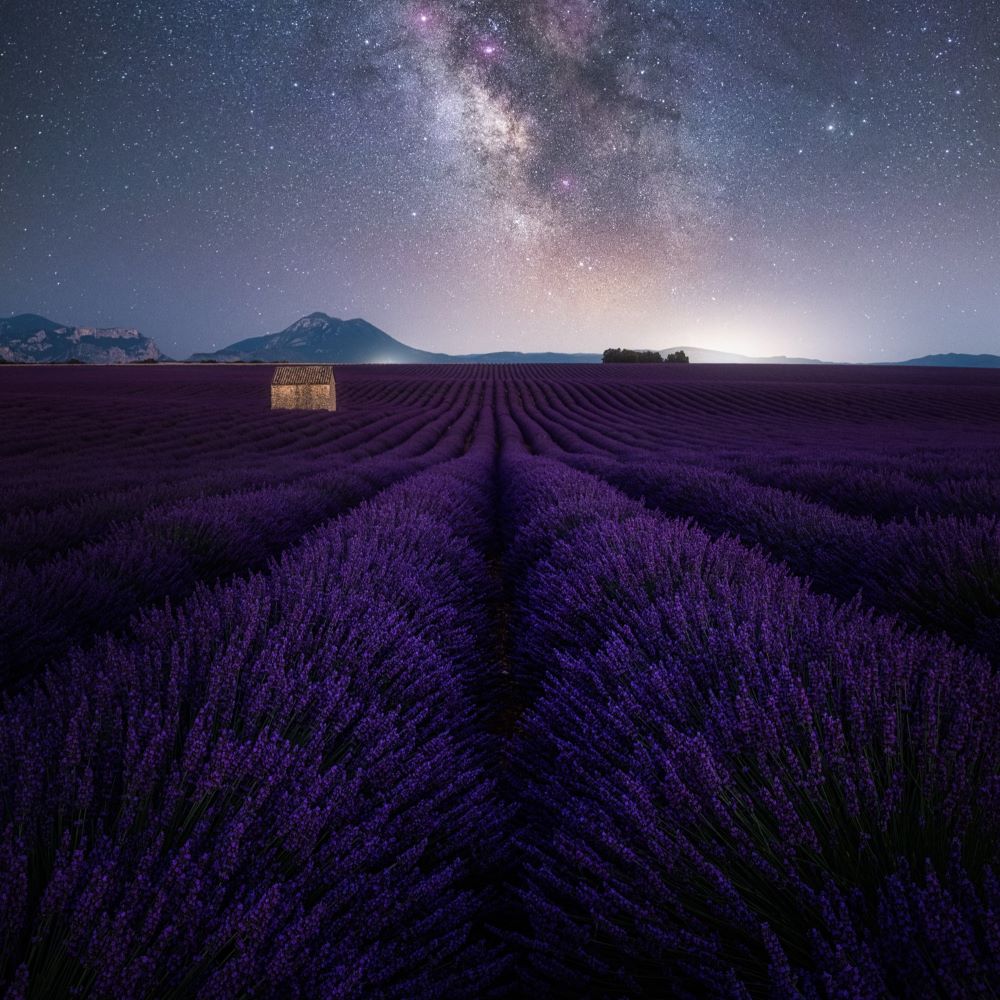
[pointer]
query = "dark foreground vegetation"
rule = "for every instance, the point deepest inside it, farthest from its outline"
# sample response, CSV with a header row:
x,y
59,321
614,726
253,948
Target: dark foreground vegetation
x,y
500,681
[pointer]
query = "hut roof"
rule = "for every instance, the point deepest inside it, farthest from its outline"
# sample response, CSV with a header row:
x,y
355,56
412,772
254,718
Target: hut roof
x,y
303,375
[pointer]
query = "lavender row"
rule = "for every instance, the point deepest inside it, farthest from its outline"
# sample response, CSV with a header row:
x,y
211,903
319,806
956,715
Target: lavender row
x,y
277,789
743,423
160,557
32,536
102,446
164,554
259,449
732,786
939,574
882,493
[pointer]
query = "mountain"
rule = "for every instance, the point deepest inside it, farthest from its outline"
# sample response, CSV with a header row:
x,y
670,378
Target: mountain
x,y
954,361
320,338
703,356
28,338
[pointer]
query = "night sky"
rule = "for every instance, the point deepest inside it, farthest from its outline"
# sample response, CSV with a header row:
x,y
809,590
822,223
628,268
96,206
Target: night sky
x,y
762,177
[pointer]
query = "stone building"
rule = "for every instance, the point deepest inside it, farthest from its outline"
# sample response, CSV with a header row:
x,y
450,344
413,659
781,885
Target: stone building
x,y
303,387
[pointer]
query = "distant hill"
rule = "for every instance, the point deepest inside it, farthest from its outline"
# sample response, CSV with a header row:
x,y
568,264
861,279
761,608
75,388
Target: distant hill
x,y
30,338
318,338
701,355
953,361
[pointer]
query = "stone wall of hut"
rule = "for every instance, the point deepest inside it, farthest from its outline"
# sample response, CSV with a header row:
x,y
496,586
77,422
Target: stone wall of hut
x,y
303,397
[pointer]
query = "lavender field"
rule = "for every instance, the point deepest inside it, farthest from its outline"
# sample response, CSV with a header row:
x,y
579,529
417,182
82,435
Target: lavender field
x,y
584,681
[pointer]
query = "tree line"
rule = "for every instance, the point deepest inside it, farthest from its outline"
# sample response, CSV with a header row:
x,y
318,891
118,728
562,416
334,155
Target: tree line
x,y
624,355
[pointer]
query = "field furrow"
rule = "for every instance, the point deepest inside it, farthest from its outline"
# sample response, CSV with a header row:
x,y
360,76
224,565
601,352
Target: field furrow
x,y
612,681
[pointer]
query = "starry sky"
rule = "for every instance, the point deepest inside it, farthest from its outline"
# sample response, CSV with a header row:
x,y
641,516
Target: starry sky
x,y
470,175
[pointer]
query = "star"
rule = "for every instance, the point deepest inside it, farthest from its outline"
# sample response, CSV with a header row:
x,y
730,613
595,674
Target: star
x,y
285,147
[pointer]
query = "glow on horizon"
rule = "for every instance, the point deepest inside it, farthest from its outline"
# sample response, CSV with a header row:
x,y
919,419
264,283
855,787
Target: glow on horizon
x,y
496,175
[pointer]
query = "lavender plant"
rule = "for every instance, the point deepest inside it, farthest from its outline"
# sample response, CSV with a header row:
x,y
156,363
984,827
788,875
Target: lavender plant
x,y
735,786
399,702
276,787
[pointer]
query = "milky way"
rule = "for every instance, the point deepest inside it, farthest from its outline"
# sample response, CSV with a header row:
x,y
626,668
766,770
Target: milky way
x,y
566,106
546,173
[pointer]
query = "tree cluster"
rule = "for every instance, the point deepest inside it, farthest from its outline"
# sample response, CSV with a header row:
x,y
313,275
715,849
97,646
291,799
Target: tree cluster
x,y
623,355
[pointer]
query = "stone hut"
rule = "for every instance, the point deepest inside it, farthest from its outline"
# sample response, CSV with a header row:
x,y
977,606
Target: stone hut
x,y
303,387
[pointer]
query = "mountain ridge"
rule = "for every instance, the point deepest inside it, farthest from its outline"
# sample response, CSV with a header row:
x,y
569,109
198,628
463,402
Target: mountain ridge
x,y
952,360
31,339
318,338
321,339
704,355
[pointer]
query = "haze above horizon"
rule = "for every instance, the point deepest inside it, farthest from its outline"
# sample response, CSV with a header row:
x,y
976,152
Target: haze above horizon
x,y
495,175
